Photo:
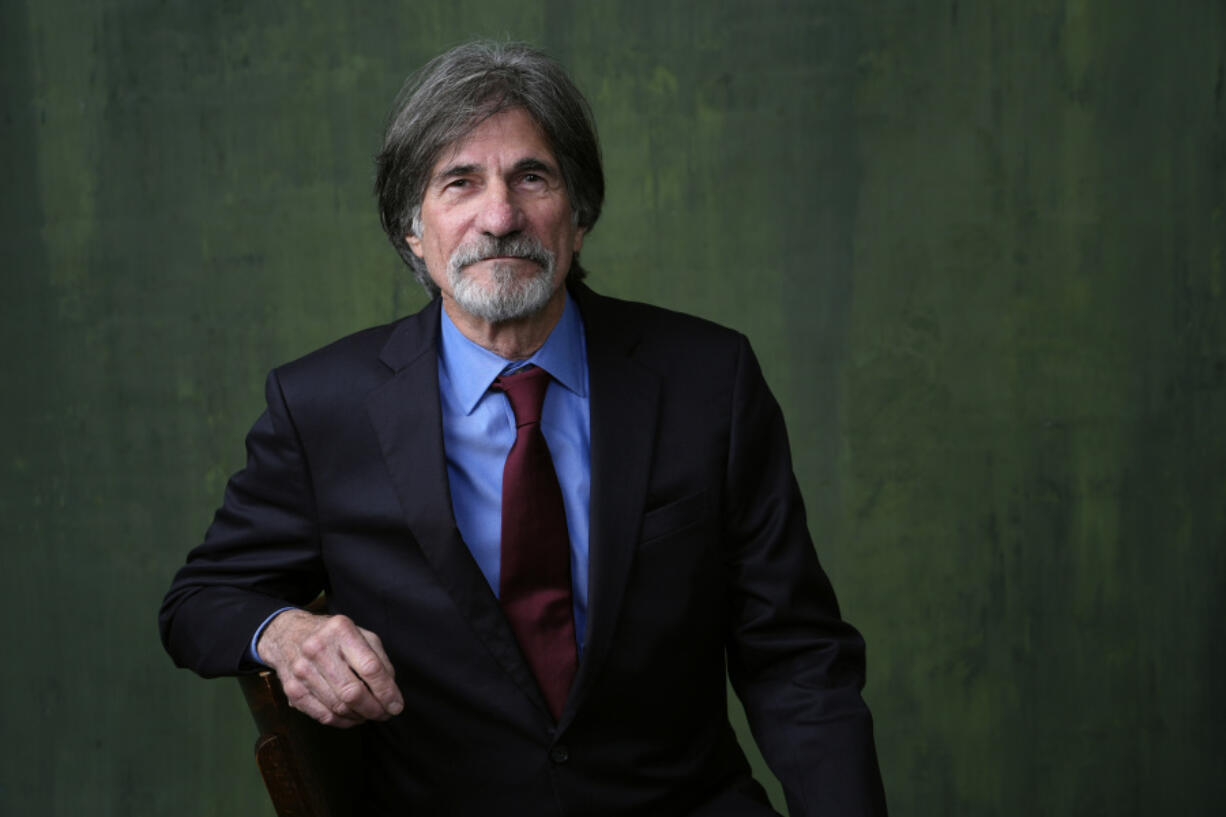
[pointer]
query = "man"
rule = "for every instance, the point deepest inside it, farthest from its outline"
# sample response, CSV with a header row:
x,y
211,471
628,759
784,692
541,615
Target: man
x,y
545,520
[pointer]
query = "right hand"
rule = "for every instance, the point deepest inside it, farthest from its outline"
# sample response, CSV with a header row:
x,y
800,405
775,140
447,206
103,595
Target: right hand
x,y
330,668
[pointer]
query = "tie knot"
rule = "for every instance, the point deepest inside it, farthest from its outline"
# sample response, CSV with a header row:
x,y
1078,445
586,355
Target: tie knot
x,y
526,391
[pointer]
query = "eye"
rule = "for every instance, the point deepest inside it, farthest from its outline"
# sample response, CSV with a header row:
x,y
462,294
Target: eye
x,y
533,180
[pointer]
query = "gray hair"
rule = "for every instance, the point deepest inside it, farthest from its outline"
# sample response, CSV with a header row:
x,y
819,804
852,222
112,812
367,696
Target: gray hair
x,y
455,92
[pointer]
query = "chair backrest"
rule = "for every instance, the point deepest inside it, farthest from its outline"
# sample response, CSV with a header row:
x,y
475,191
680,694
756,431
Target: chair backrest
x,y
310,770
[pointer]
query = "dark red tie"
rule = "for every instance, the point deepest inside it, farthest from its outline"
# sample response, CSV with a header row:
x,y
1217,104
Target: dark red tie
x,y
534,585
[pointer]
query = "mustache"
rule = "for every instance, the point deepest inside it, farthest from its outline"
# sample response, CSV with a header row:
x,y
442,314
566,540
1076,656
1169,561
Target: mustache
x,y
507,246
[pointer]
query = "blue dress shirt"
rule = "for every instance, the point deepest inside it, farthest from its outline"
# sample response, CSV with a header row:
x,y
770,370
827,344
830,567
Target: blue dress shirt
x,y
479,429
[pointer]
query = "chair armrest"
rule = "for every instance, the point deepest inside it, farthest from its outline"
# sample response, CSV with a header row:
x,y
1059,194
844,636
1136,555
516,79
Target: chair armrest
x,y
310,770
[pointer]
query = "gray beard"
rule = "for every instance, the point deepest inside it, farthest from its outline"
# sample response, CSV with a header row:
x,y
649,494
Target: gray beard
x,y
508,296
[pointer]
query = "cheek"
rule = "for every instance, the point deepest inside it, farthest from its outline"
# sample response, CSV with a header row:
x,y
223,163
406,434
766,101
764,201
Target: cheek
x,y
434,248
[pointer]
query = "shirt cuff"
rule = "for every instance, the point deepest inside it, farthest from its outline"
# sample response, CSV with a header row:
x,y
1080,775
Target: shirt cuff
x,y
254,656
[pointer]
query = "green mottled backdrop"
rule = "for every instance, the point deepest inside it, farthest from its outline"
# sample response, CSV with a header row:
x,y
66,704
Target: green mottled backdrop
x,y
980,247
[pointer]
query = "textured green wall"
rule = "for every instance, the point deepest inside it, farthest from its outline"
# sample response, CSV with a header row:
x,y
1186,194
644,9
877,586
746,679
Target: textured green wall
x,y
981,249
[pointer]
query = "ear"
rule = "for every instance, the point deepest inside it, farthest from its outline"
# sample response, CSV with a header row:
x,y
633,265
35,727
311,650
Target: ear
x,y
579,233
414,244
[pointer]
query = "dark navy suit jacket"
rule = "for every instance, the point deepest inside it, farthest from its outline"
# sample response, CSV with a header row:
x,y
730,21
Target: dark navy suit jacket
x,y
700,560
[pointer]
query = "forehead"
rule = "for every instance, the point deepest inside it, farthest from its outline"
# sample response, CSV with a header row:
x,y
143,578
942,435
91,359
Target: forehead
x,y
506,136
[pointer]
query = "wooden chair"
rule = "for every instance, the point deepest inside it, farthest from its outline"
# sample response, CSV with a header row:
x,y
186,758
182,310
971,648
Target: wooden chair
x,y
310,770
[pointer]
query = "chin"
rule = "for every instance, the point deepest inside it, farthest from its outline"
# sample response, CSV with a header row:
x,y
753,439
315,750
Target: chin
x,y
505,295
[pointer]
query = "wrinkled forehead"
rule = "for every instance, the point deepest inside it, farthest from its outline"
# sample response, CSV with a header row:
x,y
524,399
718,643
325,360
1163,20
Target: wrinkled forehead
x,y
511,133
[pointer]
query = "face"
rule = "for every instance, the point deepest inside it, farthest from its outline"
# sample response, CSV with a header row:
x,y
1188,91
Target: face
x,y
496,229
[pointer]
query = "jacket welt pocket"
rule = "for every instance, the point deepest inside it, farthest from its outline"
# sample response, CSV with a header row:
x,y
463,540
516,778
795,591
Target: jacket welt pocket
x,y
674,517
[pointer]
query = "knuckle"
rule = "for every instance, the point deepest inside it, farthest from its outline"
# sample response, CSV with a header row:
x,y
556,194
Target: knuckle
x,y
312,646
368,665
298,698
351,694
339,622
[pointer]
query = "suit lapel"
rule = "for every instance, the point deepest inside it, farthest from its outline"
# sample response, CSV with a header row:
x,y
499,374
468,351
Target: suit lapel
x,y
407,420
624,403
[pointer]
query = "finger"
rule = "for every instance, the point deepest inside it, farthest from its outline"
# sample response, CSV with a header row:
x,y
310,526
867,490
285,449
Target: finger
x,y
373,673
376,644
302,698
322,677
329,656
384,687
356,700
323,669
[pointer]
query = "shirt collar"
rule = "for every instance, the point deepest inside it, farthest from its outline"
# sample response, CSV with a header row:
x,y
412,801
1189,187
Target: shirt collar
x,y
470,369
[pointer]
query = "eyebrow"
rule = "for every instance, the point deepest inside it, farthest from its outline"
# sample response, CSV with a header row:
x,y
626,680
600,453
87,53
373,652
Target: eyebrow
x,y
455,170
533,163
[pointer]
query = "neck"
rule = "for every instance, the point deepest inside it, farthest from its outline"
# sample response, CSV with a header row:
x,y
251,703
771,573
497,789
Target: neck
x,y
511,340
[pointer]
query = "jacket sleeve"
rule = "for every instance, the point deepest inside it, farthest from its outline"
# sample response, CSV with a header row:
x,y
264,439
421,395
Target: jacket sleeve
x,y
260,554
796,665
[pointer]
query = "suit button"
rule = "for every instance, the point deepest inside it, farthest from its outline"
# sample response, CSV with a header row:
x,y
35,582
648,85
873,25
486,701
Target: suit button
x,y
559,754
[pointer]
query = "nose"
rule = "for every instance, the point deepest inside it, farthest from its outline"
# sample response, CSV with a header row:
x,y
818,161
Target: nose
x,y
500,214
